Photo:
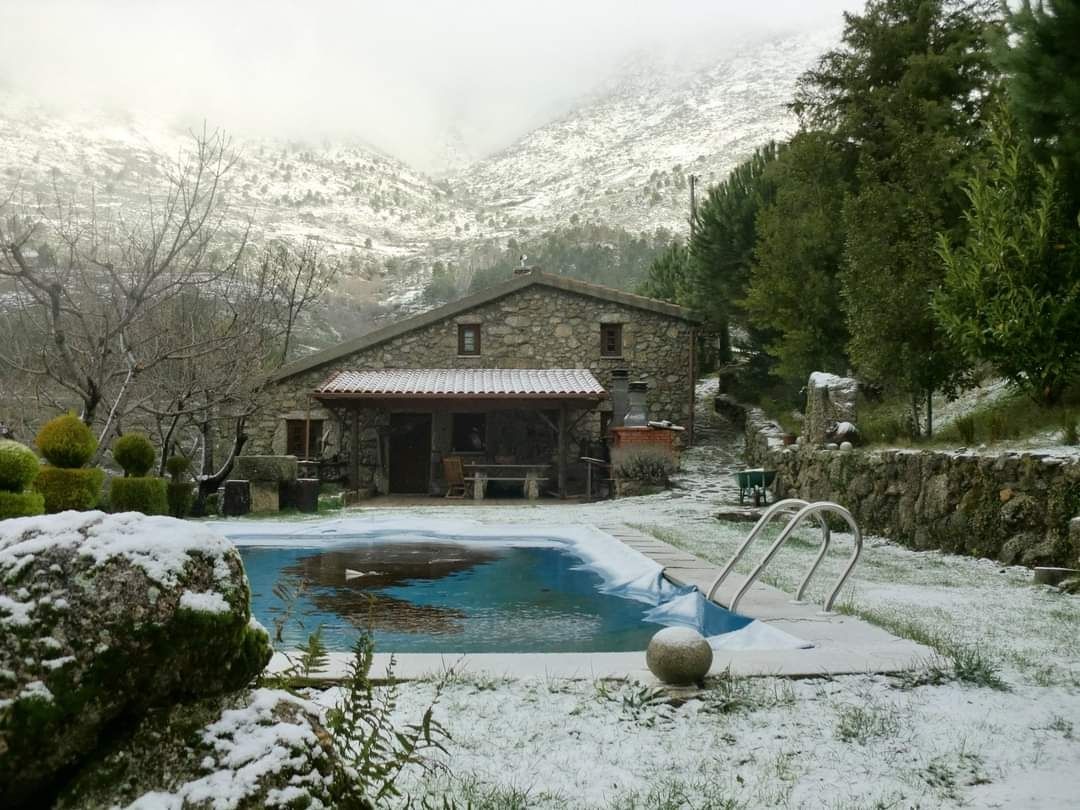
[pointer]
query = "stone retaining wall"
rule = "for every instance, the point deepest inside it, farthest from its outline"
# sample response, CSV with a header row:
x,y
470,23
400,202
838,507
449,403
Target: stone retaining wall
x,y
1013,507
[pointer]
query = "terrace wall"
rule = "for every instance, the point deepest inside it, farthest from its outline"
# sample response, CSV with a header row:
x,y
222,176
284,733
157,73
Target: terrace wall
x,y
1012,507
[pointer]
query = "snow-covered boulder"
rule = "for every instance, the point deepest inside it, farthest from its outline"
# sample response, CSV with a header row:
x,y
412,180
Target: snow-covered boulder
x,y
831,402
102,618
247,751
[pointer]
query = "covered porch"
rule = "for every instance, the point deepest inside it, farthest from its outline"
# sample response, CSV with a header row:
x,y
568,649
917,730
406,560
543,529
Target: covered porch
x,y
510,431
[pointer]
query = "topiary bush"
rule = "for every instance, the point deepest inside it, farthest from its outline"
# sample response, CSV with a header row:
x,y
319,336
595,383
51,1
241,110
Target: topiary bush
x,y
135,454
146,495
179,498
66,442
177,466
179,493
21,504
18,466
70,488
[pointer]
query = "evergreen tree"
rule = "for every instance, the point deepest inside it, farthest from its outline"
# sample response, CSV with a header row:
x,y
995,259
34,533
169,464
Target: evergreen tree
x,y
1011,295
908,93
794,287
1041,61
668,276
722,246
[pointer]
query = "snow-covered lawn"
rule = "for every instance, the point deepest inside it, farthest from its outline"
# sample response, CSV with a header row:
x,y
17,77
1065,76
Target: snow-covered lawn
x,y
846,742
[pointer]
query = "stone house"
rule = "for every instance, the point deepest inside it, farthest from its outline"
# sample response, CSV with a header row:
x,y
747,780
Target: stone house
x,y
517,373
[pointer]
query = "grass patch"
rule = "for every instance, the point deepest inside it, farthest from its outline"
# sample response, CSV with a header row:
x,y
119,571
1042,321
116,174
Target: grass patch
x,y
956,661
861,723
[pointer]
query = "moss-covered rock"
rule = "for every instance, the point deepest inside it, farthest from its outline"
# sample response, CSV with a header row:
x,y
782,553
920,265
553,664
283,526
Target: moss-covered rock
x,y
18,466
248,751
21,504
105,617
146,495
70,488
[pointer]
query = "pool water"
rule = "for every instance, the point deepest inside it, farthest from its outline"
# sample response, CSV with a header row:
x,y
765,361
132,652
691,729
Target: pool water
x,y
449,597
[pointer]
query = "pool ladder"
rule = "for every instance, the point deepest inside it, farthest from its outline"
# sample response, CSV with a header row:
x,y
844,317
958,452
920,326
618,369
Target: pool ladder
x,y
800,511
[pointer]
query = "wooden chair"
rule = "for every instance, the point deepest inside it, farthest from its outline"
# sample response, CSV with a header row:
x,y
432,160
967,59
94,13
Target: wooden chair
x,y
454,474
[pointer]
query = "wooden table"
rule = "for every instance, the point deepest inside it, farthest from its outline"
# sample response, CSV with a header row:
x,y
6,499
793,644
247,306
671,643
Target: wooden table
x,y
529,476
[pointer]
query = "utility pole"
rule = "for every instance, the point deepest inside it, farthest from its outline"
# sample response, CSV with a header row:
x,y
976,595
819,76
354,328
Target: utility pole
x,y
693,203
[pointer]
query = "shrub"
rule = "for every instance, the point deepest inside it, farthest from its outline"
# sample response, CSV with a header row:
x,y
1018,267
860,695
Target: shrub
x,y
179,498
146,495
70,488
649,465
21,504
1001,426
18,466
965,426
1070,428
134,453
177,466
66,442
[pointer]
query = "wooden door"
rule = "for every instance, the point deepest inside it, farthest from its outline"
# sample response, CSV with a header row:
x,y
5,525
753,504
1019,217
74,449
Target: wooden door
x,y
410,453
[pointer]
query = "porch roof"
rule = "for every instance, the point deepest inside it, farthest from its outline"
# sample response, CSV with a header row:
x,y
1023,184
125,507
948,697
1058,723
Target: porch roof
x,y
456,383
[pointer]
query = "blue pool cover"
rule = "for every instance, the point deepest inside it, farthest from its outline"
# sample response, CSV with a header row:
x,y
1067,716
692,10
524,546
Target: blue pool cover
x,y
418,590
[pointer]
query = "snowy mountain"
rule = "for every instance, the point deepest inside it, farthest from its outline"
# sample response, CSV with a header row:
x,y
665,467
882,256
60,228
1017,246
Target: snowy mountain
x,y
622,157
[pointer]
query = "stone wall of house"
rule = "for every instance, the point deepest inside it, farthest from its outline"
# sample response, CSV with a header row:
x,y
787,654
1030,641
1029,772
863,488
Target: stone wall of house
x,y
1012,507
536,327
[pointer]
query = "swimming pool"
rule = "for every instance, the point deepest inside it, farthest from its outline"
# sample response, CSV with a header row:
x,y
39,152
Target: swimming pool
x,y
467,588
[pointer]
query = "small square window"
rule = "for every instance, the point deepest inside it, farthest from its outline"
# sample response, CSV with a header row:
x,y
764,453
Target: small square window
x,y
468,339
611,340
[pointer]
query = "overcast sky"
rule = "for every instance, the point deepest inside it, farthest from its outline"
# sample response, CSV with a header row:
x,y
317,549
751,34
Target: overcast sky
x,y
398,73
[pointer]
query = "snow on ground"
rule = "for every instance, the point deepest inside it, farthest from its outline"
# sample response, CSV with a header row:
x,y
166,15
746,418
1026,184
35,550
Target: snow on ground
x,y
845,742
1006,735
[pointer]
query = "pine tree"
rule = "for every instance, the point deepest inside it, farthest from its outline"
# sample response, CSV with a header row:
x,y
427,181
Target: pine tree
x,y
1041,61
794,287
908,92
722,246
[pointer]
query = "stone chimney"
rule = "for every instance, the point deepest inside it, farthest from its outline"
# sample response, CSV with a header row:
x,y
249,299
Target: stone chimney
x,y
637,414
620,399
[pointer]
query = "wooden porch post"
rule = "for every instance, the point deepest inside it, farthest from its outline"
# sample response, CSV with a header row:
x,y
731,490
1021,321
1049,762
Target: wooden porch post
x,y
562,449
354,448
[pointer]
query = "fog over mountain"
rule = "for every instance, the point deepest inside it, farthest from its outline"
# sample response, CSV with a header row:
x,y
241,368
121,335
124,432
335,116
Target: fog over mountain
x,y
417,80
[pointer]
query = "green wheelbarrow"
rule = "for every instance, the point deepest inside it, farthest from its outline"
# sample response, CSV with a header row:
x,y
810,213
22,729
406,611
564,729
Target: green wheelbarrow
x,y
755,483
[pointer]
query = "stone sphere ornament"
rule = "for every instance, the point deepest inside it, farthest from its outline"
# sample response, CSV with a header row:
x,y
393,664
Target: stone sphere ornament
x,y
846,447
679,656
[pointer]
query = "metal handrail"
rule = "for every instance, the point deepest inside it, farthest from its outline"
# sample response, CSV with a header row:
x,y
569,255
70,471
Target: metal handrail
x,y
818,508
786,505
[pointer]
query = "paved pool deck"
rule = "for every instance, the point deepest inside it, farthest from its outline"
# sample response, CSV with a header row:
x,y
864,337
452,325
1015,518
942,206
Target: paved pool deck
x,y
843,645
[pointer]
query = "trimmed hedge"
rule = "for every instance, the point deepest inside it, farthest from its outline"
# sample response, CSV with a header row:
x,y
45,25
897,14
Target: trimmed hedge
x,y
179,497
146,495
135,454
18,466
70,488
21,504
66,442
177,466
